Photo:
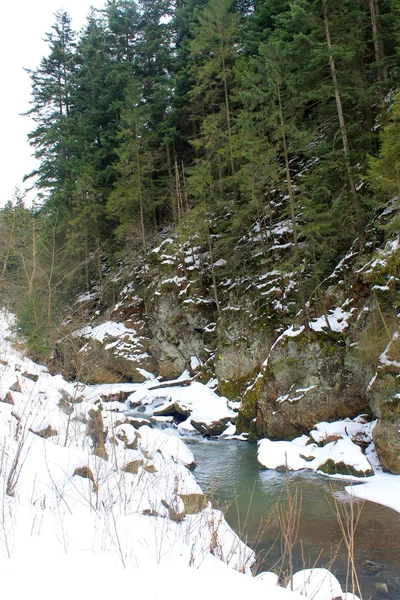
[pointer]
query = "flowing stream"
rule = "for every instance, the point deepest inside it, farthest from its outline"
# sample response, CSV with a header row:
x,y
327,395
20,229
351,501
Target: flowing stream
x,y
228,471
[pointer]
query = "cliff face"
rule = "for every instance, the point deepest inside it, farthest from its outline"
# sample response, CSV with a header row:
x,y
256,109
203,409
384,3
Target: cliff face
x,y
181,308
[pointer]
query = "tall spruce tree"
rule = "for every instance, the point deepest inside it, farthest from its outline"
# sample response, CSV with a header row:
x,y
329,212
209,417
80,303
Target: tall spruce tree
x,y
52,138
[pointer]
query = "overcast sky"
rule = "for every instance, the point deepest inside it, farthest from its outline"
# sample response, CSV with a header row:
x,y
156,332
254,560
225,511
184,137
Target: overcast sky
x,y
23,24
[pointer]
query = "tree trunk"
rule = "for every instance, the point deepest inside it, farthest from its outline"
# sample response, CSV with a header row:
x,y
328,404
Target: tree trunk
x,y
142,228
227,106
378,46
292,208
343,133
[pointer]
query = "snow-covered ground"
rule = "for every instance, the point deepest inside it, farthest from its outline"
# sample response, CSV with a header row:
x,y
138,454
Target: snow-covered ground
x,y
92,507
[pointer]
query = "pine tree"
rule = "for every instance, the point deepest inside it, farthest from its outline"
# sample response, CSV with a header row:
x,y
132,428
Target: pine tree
x,y
213,54
131,203
52,84
383,175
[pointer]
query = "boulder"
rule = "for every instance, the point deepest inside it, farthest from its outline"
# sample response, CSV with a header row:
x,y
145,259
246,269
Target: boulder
x,y
306,379
384,397
213,428
386,437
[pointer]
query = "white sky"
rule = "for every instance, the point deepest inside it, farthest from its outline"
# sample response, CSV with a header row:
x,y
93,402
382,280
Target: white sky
x,y
23,24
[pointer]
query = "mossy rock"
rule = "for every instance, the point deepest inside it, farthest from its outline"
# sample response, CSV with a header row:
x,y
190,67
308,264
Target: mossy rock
x,y
248,411
233,388
330,467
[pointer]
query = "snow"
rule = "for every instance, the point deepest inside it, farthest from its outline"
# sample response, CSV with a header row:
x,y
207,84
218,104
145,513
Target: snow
x,y
73,523
316,584
337,319
384,359
202,402
220,263
109,329
194,363
274,455
122,340
383,488
346,427
295,395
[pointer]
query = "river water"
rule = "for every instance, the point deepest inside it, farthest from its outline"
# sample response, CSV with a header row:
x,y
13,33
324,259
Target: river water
x,y
228,471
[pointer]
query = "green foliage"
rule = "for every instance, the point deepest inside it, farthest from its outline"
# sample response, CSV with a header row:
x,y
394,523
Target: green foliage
x,y
222,118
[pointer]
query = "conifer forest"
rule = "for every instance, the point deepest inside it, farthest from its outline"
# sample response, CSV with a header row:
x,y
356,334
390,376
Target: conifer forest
x,y
221,123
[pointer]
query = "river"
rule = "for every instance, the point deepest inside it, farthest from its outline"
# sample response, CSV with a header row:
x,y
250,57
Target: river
x,y
228,471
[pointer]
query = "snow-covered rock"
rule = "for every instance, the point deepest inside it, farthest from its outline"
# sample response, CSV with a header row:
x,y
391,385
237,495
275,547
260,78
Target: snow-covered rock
x,y
316,584
341,456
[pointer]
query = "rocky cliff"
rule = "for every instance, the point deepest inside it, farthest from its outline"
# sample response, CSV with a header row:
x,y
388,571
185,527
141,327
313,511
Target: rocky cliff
x,y
181,307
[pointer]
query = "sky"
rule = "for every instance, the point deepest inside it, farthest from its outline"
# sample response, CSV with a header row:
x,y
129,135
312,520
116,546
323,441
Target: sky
x,y
23,25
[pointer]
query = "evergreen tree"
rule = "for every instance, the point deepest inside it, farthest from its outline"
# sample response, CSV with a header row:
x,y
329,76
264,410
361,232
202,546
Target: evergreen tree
x,y
132,201
213,55
52,85
383,174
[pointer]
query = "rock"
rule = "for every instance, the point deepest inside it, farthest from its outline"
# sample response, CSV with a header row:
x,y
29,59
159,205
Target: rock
x,y
137,423
46,433
16,387
239,356
372,566
387,443
71,399
87,473
194,503
133,467
97,433
173,513
211,429
128,435
66,406
330,467
8,399
307,379
382,587
172,409
30,376
385,401
150,468
176,331
384,398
